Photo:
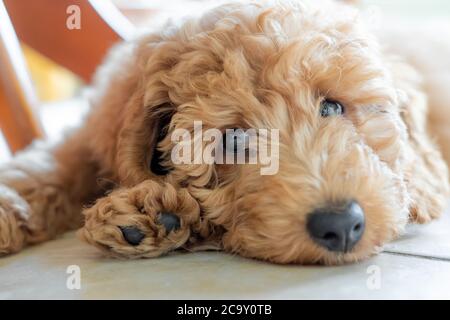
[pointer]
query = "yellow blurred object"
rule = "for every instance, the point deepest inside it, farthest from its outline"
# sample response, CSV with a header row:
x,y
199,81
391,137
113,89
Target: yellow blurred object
x,y
51,81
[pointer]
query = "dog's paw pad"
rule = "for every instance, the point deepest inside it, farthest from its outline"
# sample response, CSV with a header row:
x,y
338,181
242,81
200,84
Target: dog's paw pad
x,y
132,235
169,221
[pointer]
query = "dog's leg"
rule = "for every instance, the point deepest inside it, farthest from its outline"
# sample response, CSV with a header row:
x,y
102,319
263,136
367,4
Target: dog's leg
x,y
427,121
427,173
147,220
42,191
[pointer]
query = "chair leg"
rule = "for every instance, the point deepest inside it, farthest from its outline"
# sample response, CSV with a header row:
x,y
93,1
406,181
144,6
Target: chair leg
x,y
17,123
17,97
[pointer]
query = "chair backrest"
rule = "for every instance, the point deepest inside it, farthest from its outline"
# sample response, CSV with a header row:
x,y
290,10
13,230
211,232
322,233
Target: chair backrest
x,y
42,25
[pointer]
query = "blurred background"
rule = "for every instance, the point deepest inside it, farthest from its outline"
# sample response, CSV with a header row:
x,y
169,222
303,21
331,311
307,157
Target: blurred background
x,y
56,89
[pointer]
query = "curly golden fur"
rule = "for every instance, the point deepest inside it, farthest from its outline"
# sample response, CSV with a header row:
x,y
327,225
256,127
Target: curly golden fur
x,y
242,65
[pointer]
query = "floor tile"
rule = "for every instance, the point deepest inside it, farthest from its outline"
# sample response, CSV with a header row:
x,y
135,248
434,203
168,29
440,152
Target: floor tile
x,y
40,272
432,240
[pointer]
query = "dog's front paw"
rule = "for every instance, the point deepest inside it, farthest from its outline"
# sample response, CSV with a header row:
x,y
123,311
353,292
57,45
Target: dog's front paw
x,y
144,221
426,205
422,213
13,212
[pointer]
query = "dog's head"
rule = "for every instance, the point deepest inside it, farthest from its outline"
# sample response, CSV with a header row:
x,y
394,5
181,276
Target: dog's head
x,y
312,73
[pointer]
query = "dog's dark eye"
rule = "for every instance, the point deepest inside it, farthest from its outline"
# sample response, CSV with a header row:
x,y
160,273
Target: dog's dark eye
x,y
235,140
330,108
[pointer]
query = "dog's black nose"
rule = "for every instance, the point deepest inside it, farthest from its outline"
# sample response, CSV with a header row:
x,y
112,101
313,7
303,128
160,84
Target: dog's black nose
x,y
337,228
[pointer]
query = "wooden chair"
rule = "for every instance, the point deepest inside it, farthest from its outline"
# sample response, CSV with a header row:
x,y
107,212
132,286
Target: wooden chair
x,y
41,24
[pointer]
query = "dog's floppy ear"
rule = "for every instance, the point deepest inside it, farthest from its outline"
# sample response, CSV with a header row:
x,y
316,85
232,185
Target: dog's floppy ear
x,y
162,115
143,127
131,112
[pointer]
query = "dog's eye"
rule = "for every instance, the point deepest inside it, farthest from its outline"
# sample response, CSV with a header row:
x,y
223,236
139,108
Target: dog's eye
x,y
330,108
235,140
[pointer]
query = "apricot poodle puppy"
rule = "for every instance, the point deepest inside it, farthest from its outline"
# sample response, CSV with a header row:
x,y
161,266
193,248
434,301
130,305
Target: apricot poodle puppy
x,y
356,160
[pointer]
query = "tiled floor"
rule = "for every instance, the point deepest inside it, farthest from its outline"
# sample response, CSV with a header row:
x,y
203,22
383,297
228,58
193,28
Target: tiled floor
x,y
416,266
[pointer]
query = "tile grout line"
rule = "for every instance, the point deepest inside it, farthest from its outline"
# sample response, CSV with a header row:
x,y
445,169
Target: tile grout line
x,y
419,256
